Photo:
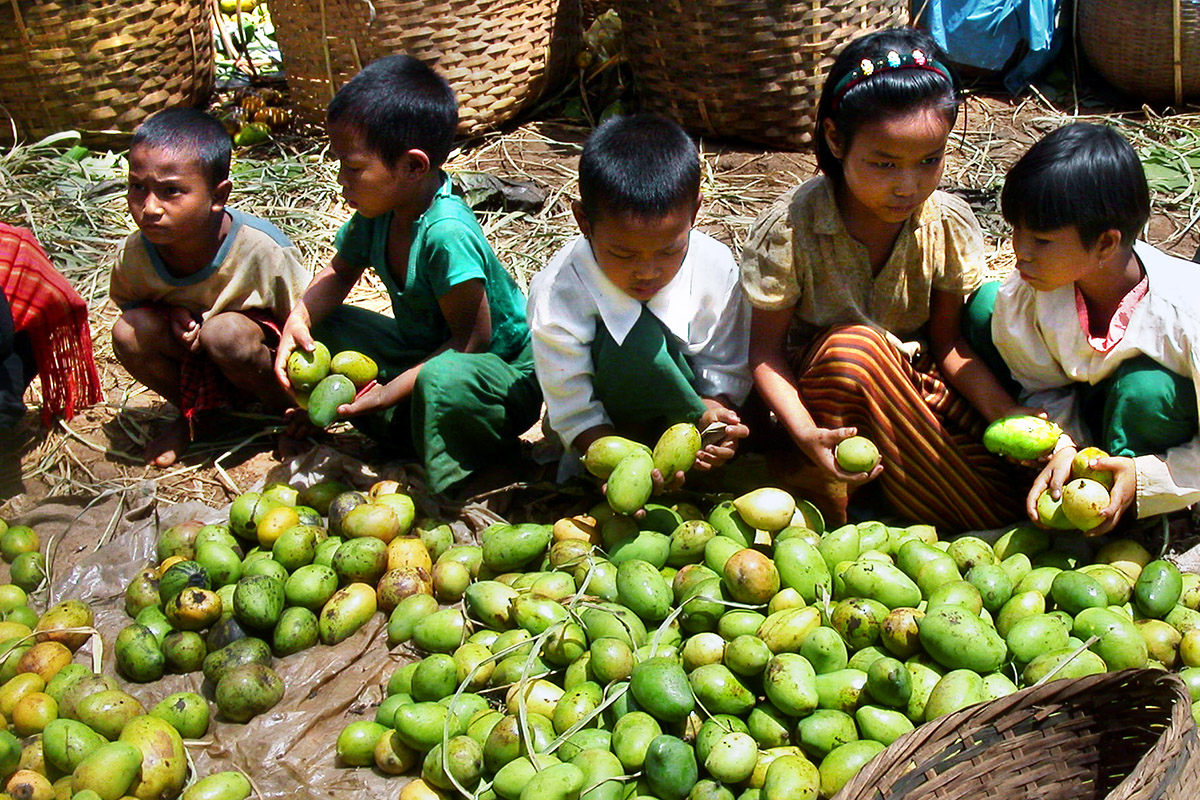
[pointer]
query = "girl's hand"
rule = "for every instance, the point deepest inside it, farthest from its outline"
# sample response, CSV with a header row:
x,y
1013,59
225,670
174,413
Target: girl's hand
x,y
1123,494
715,454
294,336
1051,479
820,444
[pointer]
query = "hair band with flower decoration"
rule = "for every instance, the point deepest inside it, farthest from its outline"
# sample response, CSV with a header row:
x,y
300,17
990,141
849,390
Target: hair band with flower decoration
x,y
892,60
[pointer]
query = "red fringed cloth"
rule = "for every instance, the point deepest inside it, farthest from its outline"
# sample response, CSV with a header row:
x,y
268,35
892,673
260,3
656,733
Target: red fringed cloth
x,y
55,318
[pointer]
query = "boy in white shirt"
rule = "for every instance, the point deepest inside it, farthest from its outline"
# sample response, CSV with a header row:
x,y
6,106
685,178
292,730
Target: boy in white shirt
x,y
1101,330
640,322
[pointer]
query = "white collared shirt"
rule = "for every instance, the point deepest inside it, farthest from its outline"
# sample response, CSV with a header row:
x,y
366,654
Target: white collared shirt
x,y
1040,337
703,307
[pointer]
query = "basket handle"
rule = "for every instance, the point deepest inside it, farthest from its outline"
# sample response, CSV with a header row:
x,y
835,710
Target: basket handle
x,y
1177,50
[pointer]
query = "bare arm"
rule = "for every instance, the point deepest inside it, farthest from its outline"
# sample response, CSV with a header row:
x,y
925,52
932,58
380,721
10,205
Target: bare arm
x,y
325,292
774,380
960,365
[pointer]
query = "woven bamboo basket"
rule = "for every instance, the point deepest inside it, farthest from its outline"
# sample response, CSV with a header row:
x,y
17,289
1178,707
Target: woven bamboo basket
x,y
1155,59
499,55
100,66
1125,735
751,69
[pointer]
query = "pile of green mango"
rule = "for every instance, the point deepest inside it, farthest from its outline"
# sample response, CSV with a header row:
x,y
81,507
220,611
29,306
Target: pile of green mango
x,y
68,732
741,653
289,569
322,382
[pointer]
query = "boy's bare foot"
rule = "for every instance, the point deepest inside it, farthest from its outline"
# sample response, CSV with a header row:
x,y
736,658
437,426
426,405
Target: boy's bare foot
x,y
169,444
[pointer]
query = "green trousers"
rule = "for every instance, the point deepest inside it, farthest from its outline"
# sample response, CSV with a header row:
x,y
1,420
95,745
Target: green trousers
x,y
466,411
645,383
1141,409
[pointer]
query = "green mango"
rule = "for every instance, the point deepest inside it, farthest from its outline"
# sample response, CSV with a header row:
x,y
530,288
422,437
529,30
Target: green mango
x,y
650,546
1021,436
578,705
970,551
769,727
237,653
732,758
641,587
802,567
310,586
825,650
957,689
924,677
507,548
790,684
687,542
186,712
360,369
139,655
563,781
246,691
963,594
889,682
883,582
718,690
606,619
791,777
323,401
109,770
883,725
1074,591
440,632
1158,588
296,630
824,730
66,742
601,771
229,785
1035,634
841,544
1025,539
1018,607
1080,665
460,758
675,451
914,554
586,739
108,712
1039,579
630,484
604,454
537,614
718,550
661,687
490,602
997,685
843,690
729,523
1016,566
859,620
713,729
670,767
660,519
419,725
1120,645
632,736
960,640
994,585
786,631
258,601
843,763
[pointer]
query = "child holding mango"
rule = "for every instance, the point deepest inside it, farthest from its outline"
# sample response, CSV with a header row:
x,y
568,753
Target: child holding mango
x,y
640,322
1098,328
456,385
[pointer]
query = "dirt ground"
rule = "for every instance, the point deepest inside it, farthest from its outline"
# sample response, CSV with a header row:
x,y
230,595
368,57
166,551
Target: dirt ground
x,y
100,448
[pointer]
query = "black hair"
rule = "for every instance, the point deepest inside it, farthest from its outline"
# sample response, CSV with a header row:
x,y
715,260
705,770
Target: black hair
x,y
643,165
399,103
191,133
884,93
1081,175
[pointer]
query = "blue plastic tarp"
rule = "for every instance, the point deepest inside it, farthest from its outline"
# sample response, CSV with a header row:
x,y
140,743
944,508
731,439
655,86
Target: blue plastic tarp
x,y
986,33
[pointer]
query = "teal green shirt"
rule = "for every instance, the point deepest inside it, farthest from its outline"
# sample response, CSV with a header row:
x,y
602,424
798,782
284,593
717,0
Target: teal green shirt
x,y
448,248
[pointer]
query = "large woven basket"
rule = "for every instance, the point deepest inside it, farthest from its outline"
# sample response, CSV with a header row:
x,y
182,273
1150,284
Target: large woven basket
x,y
499,55
1149,49
1125,735
751,69
100,66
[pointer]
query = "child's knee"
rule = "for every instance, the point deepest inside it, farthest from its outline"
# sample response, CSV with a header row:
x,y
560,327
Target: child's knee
x,y
231,338
138,332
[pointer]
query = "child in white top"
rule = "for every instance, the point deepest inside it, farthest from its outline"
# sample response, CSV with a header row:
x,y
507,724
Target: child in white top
x,y
1099,329
640,322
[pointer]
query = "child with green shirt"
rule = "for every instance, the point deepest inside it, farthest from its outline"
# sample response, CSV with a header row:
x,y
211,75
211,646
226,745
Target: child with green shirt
x,y
456,384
